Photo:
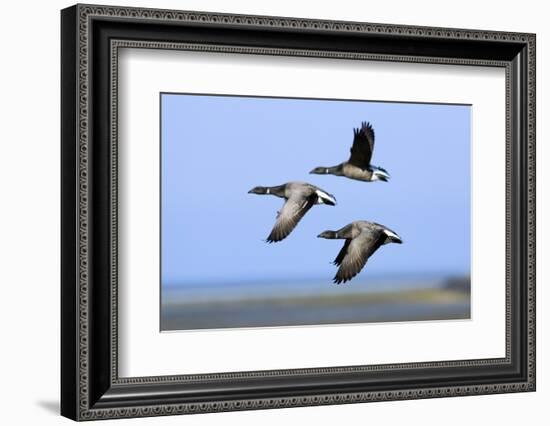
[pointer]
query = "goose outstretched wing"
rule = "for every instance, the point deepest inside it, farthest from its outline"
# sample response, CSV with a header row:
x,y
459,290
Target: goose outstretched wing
x,y
342,253
363,145
292,212
357,253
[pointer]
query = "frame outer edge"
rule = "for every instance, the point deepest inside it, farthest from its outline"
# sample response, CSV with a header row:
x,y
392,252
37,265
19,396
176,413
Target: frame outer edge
x,y
531,200
84,193
83,13
68,181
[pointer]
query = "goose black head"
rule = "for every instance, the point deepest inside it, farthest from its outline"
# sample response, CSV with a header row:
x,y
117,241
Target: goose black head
x,y
331,235
335,170
258,190
319,171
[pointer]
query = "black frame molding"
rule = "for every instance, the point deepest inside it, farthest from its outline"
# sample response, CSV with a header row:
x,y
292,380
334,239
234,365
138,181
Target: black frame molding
x,y
91,37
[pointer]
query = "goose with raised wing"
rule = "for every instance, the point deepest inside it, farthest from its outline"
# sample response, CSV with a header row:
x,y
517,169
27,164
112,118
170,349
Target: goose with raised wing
x,y
299,197
359,165
362,240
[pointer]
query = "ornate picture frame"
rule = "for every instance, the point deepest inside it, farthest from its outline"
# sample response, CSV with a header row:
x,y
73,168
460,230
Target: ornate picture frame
x,y
91,37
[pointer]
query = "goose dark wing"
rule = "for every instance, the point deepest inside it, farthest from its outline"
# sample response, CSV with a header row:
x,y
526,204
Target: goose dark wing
x,y
363,145
342,253
357,254
292,212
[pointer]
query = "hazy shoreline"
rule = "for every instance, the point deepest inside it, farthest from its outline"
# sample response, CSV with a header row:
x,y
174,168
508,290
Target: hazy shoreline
x,y
307,305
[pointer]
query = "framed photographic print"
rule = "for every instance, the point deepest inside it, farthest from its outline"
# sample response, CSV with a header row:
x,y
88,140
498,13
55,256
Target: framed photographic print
x,y
263,212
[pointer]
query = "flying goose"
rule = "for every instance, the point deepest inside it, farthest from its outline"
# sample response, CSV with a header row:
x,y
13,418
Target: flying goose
x,y
358,166
300,197
362,240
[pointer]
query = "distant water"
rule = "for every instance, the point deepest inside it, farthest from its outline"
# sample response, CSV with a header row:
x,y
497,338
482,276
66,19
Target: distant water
x,y
265,304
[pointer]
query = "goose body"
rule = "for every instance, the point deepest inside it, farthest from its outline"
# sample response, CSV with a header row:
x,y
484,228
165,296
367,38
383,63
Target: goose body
x,y
363,238
359,165
299,198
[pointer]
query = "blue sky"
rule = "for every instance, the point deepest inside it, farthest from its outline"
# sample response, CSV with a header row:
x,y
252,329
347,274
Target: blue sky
x,y
216,148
